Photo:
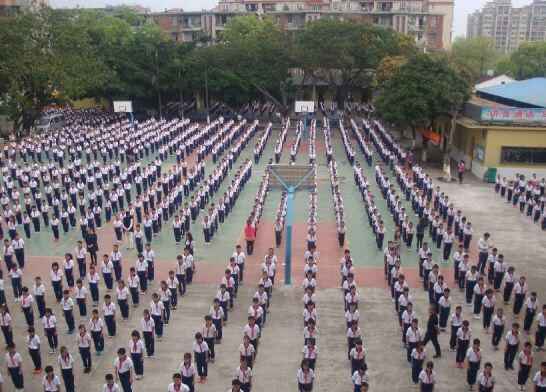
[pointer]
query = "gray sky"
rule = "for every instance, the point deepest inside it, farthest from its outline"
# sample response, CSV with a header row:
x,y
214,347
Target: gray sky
x,y
462,7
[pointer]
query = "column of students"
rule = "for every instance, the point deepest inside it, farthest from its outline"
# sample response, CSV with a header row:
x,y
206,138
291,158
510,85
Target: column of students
x,y
334,186
528,194
486,298
279,144
68,303
95,176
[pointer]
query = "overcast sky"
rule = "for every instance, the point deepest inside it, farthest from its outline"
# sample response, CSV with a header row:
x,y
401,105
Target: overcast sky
x,y
462,7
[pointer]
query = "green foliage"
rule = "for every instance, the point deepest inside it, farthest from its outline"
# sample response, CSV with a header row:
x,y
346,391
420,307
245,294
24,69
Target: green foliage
x,y
529,61
423,89
345,54
50,59
475,56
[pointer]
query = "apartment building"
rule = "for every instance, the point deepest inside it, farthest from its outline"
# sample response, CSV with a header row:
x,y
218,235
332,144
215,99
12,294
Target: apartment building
x,y
507,26
11,7
428,21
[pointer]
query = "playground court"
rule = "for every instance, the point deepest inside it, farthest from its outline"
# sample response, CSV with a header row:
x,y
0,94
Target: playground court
x,y
282,340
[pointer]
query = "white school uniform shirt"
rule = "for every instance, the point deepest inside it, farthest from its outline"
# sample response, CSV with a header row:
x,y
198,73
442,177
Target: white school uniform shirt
x,y
187,371
539,380
464,335
81,293
418,355
53,385
33,343
122,294
239,257
202,347
246,351
181,388
156,309
133,281
304,378
67,304
456,320
310,353
408,317
244,376
216,314
252,332
56,276
123,366
354,334
95,325
208,332
136,347
66,362
486,381
511,338
427,378
49,322
488,303
355,354
39,290
359,379
525,359
414,336
147,325
84,341
14,361
109,309
26,302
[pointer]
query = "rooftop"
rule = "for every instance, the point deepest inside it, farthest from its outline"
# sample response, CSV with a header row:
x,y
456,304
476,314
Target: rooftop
x,y
528,93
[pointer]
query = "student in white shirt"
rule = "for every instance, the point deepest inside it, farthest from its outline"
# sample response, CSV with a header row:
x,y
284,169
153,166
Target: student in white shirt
x,y
177,385
427,378
66,363
136,348
123,368
305,377
51,382
187,371
84,347
201,353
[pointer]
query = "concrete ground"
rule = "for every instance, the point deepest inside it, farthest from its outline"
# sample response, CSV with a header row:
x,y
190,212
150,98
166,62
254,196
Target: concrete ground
x,y
522,243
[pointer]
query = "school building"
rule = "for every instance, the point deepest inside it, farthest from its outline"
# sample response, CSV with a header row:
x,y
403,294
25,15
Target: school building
x,y
503,129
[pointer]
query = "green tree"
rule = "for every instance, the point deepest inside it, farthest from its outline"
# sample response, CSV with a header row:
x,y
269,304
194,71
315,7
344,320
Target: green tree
x,y
529,61
476,55
424,89
255,52
48,59
346,54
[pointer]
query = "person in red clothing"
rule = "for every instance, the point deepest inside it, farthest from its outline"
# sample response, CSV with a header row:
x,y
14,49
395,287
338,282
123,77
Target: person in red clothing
x,y
460,171
250,236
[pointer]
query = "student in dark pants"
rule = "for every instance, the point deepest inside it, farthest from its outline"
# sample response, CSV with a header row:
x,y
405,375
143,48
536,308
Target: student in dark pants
x,y
14,363
417,358
474,357
124,370
201,353
84,347
33,343
512,345
432,332
66,363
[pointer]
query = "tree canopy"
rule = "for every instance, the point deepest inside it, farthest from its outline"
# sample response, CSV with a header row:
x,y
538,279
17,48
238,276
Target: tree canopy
x,y
345,54
47,58
422,90
476,56
528,61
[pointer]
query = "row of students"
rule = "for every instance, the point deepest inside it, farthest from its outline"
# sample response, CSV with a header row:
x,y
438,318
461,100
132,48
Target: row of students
x,y
527,193
279,144
261,143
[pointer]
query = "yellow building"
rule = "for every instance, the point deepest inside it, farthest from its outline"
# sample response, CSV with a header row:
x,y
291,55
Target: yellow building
x,y
503,130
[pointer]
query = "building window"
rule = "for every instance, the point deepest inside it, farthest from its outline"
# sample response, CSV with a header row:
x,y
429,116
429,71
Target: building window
x,y
523,155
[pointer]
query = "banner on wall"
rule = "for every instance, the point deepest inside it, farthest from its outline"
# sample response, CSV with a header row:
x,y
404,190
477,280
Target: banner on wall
x,y
513,115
